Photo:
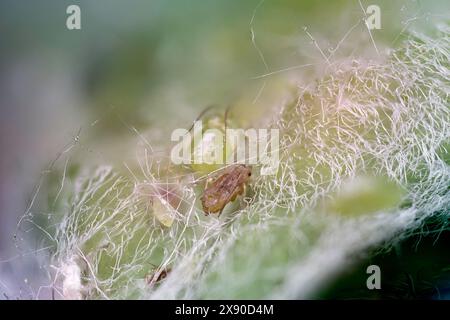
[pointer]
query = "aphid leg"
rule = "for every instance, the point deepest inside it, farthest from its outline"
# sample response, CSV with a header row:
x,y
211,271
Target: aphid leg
x,y
243,192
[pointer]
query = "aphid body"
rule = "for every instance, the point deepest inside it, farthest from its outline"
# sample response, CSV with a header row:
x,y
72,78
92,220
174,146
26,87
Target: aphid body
x,y
157,276
225,188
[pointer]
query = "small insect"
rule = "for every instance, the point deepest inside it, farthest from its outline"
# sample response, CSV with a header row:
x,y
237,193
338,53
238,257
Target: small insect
x,y
157,276
225,188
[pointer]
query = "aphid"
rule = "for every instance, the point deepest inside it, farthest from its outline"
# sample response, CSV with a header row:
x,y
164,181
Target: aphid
x,y
225,188
164,199
157,276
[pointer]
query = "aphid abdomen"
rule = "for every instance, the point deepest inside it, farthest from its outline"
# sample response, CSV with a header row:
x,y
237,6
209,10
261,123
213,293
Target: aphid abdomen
x,y
225,189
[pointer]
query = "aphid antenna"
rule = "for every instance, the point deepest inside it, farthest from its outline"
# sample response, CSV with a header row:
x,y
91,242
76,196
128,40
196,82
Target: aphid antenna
x,y
204,111
225,117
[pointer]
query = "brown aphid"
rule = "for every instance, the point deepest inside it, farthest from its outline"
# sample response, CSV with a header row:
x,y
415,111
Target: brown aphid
x,y
225,188
157,276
